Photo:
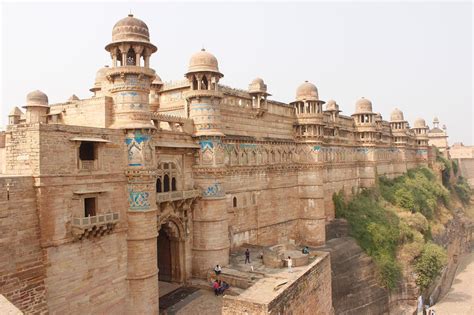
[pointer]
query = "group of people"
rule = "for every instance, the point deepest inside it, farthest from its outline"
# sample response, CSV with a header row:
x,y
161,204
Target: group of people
x,y
219,287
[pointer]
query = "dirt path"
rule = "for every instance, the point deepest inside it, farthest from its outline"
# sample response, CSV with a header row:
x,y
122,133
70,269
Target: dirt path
x,y
460,298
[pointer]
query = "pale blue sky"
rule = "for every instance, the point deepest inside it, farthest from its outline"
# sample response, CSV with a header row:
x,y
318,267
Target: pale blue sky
x,y
414,56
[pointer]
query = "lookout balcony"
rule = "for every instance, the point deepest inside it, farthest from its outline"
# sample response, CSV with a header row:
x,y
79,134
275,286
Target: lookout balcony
x,y
92,226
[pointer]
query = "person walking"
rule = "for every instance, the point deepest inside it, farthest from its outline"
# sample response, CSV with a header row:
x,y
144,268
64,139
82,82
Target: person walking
x,y
290,264
247,256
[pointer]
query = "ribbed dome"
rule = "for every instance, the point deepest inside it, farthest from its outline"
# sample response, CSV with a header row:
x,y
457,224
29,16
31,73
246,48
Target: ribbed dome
x,y
36,98
130,29
332,105
363,105
203,61
307,91
396,115
419,123
257,86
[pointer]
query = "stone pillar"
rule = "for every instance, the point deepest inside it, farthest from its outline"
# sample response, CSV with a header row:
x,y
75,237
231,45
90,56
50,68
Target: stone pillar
x,y
142,265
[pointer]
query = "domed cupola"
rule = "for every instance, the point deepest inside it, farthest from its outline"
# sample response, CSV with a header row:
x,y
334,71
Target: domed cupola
x,y
399,127
204,61
36,98
130,43
307,91
37,107
204,97
258,91
396,115
421,132
365,121
309,113
129,79
363,106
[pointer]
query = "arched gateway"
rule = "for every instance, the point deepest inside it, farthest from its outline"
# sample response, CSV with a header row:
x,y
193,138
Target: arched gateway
x,y
171,250
173,226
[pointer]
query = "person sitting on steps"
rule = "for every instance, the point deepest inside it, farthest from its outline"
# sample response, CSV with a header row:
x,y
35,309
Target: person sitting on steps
x,y
218,270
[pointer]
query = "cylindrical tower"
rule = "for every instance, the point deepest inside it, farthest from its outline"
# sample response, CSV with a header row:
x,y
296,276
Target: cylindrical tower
x,y
130,76
210,226
155,89
129,81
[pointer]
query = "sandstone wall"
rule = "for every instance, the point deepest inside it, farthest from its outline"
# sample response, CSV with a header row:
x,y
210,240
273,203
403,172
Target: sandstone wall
x,y
22,149
92,112
310,293
89,273
466,167
22,268
355,289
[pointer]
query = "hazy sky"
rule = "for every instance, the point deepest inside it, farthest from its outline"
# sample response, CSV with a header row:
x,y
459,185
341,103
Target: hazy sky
x,y
414,56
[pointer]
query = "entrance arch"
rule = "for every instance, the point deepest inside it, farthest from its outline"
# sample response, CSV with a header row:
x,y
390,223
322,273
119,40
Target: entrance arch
x,y
170,251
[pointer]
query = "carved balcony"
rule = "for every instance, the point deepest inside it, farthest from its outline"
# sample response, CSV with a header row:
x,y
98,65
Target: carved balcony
x,y
94,226
177,195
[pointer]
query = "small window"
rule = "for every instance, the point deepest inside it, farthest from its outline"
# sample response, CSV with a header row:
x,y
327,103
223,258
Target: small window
x,y
234,202
173,184
90,207
87,151
158,185
166,183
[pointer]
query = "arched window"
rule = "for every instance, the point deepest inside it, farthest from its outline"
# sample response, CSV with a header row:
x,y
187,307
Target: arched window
x,y
158,185
234,202
166,183
204,83
195,83
131,57
173,184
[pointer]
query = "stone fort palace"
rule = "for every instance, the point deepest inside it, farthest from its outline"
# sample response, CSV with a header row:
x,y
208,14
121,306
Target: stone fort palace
x,y
147,181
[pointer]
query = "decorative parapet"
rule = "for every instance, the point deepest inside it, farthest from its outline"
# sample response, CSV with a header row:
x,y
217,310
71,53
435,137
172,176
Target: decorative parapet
x,y
177,195
94,226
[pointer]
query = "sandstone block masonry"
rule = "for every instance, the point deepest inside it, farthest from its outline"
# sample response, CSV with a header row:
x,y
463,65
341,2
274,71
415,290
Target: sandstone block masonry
x,y
306,291
148,181
22,268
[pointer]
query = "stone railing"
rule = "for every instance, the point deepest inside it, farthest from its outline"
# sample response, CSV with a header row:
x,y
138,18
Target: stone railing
x,y
94,226
88,165
176,195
